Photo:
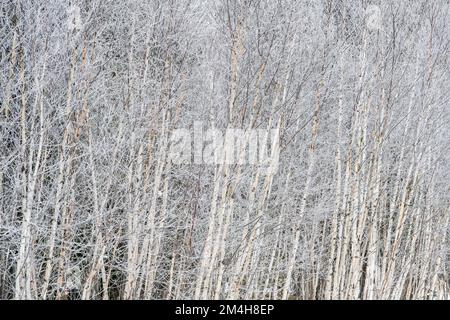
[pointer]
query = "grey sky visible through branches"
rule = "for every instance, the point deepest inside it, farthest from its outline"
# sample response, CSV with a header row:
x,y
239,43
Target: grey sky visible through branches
x,y
228,149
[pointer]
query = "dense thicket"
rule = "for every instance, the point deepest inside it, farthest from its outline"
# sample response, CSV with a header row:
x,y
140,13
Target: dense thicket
x,y
91,207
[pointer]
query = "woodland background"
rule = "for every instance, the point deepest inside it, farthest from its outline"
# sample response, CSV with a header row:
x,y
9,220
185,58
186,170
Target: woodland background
x,y
92,208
